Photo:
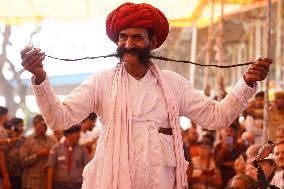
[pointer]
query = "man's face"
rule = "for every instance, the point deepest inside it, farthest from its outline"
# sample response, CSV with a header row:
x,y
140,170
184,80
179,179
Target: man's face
x,y
90,124
280,135
74,138
134,45
40,128
4,118
279,154
229,132
259,102
192,135
279,102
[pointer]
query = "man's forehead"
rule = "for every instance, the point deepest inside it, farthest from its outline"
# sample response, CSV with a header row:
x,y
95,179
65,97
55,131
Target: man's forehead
x,y
140,31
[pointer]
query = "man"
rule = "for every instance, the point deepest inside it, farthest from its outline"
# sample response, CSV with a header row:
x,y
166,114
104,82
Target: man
x,y
252,123
15,169
89,133
205,172
4,141
33,155
276,115
278,179
140,145
227,151
66,162
279,134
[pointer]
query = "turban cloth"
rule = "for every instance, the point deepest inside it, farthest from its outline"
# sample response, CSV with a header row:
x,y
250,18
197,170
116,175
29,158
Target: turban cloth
x,y
130,15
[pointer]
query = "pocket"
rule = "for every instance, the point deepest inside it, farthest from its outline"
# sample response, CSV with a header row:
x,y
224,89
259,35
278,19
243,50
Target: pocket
x,y
168,150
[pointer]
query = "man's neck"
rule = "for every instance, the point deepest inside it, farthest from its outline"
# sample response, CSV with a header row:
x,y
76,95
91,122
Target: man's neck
x,y
136,70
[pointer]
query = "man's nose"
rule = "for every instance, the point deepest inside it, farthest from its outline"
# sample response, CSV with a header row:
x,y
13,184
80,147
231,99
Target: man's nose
x,y
129,43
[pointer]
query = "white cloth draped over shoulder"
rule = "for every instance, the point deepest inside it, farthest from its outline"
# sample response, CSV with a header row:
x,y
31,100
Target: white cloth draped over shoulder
x,y
134,155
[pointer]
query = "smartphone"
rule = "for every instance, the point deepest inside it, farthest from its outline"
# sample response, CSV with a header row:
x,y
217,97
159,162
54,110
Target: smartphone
x,y
229,140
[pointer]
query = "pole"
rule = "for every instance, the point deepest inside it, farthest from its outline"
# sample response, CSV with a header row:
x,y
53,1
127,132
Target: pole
x,y
266,102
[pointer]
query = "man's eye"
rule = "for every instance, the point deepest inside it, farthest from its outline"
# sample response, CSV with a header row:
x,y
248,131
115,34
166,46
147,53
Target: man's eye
x,y
137,38
122,37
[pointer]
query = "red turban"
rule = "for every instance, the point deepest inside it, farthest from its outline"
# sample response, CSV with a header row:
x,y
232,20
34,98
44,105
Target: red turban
x,y
130,15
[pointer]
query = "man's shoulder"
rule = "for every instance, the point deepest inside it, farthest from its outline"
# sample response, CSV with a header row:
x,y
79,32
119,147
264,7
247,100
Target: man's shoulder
x,y
171,74
103,75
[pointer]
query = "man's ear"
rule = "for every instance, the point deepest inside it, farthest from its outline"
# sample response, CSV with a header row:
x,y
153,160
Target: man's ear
x,y
153,42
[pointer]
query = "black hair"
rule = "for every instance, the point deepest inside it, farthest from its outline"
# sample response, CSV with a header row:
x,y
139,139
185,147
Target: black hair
x,y
91,116
259,94
3,110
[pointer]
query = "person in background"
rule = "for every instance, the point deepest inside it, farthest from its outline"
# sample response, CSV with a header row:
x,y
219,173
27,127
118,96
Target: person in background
x,y
89,133
33,155
66,162
278,179
205,172
4,142
240,182
226,152
14,167
279,134
192,141
59,135
246,139
254,123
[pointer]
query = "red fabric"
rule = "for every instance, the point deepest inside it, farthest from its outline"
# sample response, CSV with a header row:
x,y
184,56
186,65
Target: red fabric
x,y
130,15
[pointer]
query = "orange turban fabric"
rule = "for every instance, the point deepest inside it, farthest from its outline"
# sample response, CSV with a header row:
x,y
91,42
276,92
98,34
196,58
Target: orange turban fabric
x,y
130,15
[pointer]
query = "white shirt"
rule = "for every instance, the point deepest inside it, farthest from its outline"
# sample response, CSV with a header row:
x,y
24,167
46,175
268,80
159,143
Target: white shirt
x,y
278,180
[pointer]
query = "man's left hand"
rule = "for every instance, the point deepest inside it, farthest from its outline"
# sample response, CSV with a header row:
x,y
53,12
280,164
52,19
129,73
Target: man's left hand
x,y
258,71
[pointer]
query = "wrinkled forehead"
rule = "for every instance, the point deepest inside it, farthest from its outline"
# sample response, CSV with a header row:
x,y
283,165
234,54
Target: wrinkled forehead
x,y
134,31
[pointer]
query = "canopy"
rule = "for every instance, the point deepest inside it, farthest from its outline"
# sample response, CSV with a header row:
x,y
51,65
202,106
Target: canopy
x,y
179,12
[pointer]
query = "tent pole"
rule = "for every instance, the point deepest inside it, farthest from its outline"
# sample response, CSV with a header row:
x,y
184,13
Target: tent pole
x,y
266,102
209,45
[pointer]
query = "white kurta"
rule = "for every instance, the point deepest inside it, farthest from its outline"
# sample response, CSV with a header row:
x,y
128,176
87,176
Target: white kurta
x,y
153,152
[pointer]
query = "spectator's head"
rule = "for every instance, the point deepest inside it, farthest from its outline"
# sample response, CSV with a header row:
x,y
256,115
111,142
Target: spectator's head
x,y
185,138
240,181
252,152
279,134
240,164
279,100
72,135
259,100
229,134
4,117
279,154
192,135
17,125
39,125
89,123
205,147
251,170
268,166
247,138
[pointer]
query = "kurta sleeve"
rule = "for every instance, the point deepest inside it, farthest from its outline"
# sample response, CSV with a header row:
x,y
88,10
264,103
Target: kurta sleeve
x,y
73,109
212,114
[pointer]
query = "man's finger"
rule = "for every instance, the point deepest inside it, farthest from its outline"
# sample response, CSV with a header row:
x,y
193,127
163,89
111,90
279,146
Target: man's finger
x,y
269,60
25,50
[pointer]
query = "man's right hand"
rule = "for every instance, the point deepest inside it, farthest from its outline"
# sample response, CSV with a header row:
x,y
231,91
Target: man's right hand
x,y
32,61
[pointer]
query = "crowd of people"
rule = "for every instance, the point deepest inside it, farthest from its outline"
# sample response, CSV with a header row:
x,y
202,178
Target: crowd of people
x,y
42,161
224,158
